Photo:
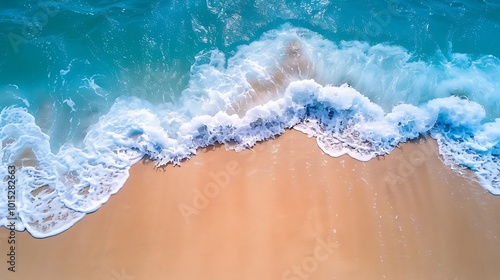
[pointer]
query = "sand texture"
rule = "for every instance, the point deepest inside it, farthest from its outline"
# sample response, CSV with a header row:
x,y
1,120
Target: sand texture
x,y
282,211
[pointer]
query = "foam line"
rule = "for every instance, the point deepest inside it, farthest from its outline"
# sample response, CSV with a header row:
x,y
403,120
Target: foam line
x,y
356,99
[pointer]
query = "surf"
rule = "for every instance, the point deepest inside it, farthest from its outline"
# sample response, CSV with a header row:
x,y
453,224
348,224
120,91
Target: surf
x,y
356,99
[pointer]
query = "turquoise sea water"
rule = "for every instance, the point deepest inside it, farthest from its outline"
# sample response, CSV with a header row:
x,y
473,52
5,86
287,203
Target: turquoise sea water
x,y
90,87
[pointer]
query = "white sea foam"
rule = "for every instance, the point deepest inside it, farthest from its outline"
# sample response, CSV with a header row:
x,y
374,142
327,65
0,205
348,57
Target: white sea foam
x,y
354,98
70,103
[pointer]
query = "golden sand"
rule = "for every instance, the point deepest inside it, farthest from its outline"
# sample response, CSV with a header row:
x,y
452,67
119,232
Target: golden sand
x,y
282,211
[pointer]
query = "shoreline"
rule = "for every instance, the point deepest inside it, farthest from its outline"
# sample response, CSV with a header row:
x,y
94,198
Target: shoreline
x,y
284,210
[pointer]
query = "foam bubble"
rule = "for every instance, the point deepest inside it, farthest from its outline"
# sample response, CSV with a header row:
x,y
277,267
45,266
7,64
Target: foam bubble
x,y
356,99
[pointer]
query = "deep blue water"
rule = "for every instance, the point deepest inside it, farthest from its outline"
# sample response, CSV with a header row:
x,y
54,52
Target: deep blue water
x,y
89,87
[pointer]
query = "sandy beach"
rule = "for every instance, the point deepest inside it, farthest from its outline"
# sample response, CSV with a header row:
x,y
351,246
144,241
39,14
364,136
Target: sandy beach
x,y
282,211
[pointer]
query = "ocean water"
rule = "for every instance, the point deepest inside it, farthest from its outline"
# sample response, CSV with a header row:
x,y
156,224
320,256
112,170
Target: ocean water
x,y
88,87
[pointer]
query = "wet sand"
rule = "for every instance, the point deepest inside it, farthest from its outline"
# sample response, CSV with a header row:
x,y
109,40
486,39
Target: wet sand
x,y
282,211
294,65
